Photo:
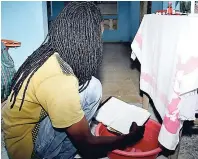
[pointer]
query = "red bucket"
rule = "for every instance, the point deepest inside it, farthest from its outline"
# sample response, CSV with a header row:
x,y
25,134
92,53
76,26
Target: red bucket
x,y
147,148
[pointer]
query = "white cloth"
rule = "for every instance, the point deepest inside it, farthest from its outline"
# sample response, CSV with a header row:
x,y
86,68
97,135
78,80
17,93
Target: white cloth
x,y
188,106
166,47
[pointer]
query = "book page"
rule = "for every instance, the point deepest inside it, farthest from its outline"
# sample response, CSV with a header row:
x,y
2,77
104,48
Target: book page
x,y
120,115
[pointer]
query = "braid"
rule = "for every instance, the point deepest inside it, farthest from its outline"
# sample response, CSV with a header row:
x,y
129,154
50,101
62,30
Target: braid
x,y
76,35
80,37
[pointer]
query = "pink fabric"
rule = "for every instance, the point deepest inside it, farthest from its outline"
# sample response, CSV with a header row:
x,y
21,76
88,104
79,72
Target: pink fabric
x,y
149,79
158,54
172,107
171,120
138,39
171,125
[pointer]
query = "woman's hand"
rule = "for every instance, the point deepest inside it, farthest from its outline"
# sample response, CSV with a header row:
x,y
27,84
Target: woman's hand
x,y
136,132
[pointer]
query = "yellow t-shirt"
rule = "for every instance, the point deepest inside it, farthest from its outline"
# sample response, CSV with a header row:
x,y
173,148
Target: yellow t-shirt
x,y
50,92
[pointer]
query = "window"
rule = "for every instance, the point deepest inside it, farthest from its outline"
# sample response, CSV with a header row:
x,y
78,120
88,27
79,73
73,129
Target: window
x,y
110,24
185,7
109,12
108,7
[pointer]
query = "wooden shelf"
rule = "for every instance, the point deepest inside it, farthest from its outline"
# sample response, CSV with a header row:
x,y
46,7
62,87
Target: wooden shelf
x,y
11,43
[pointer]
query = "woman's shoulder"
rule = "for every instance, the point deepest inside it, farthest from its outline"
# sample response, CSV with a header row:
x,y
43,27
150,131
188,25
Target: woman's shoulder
x,y
54,66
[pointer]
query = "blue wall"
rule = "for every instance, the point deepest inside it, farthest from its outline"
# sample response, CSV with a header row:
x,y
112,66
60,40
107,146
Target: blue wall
x,y
128,23
134,18
57,7
123,28
25,22
156,5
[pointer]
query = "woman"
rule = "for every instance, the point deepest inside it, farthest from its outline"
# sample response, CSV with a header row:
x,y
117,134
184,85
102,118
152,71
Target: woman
x,y
54,94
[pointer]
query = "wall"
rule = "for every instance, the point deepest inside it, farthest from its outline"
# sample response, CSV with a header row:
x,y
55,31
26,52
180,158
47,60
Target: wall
x,y
25,22
57,6
122,34
156,5
134,18
128,21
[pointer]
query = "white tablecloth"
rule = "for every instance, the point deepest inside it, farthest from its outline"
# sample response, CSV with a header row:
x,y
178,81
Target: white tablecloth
x,y
167,48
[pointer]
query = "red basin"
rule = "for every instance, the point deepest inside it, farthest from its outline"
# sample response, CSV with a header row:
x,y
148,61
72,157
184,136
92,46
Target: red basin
x,y
147,148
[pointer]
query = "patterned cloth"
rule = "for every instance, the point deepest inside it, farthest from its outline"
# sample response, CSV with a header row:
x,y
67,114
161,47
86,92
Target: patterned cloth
x,y
7,72
167,50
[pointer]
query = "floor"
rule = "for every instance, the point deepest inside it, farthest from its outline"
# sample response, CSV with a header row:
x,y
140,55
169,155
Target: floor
x,y
116,75
120,76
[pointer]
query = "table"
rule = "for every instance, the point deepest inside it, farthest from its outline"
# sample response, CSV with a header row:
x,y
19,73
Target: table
x,y
167,48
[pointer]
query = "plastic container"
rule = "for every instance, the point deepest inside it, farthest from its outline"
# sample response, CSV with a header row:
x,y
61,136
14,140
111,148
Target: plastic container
x,y
147,148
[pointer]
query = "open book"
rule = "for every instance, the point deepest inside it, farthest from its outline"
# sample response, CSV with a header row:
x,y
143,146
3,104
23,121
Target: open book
x,y
119,115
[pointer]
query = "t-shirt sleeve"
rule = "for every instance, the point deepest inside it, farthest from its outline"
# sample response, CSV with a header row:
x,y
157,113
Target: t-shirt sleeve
x,y
59,96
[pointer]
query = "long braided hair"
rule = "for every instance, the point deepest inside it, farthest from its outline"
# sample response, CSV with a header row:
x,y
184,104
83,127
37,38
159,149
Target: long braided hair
x,y
76,35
